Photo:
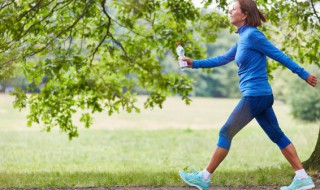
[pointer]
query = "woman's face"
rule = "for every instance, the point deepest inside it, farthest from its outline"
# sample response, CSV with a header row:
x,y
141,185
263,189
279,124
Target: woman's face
x,y
236,17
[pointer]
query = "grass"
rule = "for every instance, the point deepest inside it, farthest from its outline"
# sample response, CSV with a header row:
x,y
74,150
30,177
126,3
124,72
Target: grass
x,y
145,149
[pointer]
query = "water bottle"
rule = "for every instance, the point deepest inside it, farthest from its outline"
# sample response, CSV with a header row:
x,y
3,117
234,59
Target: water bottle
x,y
180,51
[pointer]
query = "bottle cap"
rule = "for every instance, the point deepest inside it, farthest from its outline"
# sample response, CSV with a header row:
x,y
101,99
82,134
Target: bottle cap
x,y
178,43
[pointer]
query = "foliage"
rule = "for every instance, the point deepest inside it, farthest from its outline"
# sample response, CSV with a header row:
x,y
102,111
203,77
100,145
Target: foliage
x,y
304,100
306,107
85,50
222,81
297,23
219,82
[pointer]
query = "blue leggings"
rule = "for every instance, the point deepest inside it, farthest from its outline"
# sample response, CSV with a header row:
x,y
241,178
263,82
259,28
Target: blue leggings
x,y
249,107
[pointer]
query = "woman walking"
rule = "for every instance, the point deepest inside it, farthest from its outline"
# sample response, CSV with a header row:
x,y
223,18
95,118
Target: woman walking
x,y
250,54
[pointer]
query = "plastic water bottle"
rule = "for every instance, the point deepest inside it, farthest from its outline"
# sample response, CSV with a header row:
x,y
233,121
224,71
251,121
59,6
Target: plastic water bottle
x,y
180,51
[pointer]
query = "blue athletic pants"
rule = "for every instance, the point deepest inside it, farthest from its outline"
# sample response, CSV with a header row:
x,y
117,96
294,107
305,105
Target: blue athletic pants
x,y
249,107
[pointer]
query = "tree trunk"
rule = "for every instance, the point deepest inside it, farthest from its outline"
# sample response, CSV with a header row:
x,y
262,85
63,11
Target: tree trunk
x,y
313,163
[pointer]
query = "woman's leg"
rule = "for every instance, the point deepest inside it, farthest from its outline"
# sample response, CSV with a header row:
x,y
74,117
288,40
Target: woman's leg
x,y
239,118
291,155
217,157
269,123
289,152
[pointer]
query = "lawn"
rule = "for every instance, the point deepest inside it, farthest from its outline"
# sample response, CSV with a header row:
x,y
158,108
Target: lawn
x,y
145,149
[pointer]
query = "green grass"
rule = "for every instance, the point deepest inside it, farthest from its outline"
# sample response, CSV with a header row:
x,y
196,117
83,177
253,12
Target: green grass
x,y
145,149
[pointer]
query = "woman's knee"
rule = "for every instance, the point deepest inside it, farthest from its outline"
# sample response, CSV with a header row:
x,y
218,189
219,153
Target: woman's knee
x,y
227,131
225,137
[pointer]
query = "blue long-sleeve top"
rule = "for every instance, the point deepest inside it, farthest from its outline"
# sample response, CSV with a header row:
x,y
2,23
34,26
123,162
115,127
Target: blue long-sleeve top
x,y
250,54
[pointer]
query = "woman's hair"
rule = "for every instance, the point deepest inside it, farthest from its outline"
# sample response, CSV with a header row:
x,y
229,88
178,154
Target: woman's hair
x,y
254,16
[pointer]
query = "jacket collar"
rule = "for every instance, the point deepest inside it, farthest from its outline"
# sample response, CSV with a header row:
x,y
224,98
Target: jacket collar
x,y
242,29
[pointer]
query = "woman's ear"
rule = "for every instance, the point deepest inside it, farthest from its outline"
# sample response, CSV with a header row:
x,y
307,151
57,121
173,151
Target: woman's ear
x,y
245,15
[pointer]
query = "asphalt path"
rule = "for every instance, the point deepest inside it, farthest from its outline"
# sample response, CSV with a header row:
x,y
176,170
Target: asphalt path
x,y
169,188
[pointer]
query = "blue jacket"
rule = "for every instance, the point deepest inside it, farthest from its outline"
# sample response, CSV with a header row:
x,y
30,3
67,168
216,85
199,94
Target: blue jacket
x,y
250,54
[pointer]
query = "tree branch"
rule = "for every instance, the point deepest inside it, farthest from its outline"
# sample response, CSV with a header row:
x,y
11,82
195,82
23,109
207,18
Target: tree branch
x,y
152,25
114,20
71,39
3,5
57,36
104,37
77,20
30,10
108,30
314,10
98,46
25,32
10,61
65,30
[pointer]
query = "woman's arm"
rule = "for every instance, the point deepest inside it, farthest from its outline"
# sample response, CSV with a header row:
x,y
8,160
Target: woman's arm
x,y
213,62
263,45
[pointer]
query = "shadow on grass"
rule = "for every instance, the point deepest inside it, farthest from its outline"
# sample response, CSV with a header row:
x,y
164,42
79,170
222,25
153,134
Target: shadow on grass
x,y
264,176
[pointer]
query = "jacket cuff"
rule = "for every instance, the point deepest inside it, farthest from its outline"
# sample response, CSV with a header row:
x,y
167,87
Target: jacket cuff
x,y
304,75
195,64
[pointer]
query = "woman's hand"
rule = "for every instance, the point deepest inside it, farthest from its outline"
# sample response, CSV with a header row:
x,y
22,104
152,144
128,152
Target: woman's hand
x,y
189,61
312,80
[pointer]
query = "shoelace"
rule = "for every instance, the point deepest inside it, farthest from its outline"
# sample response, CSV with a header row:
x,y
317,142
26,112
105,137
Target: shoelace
x,y
194,173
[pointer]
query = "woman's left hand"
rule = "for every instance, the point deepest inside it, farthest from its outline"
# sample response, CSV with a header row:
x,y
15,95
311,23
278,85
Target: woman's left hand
x,y
312,80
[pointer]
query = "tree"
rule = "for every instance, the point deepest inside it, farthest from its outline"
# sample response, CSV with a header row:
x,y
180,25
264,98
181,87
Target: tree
x,y
85,49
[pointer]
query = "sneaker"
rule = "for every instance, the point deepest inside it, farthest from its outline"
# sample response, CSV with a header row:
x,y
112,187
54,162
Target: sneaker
x,y
300,184
195,179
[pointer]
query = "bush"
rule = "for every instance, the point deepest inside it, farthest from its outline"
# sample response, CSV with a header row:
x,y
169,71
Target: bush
x,y
303,99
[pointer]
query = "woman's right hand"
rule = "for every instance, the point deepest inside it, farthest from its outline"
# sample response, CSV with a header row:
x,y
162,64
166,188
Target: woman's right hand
x,y
312,80
189,61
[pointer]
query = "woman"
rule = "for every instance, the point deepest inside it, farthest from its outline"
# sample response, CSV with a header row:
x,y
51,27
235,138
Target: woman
x,y
250,55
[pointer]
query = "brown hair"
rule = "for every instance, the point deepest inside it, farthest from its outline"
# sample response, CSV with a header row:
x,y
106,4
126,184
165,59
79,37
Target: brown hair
x,y
254,16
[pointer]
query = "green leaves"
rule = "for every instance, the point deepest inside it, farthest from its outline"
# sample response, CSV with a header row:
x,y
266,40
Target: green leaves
x,y
297,28
306,107
21,99
182,10
89,56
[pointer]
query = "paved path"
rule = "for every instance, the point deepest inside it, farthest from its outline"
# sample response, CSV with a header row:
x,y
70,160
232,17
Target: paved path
x,y
188,188
172,188
168,188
